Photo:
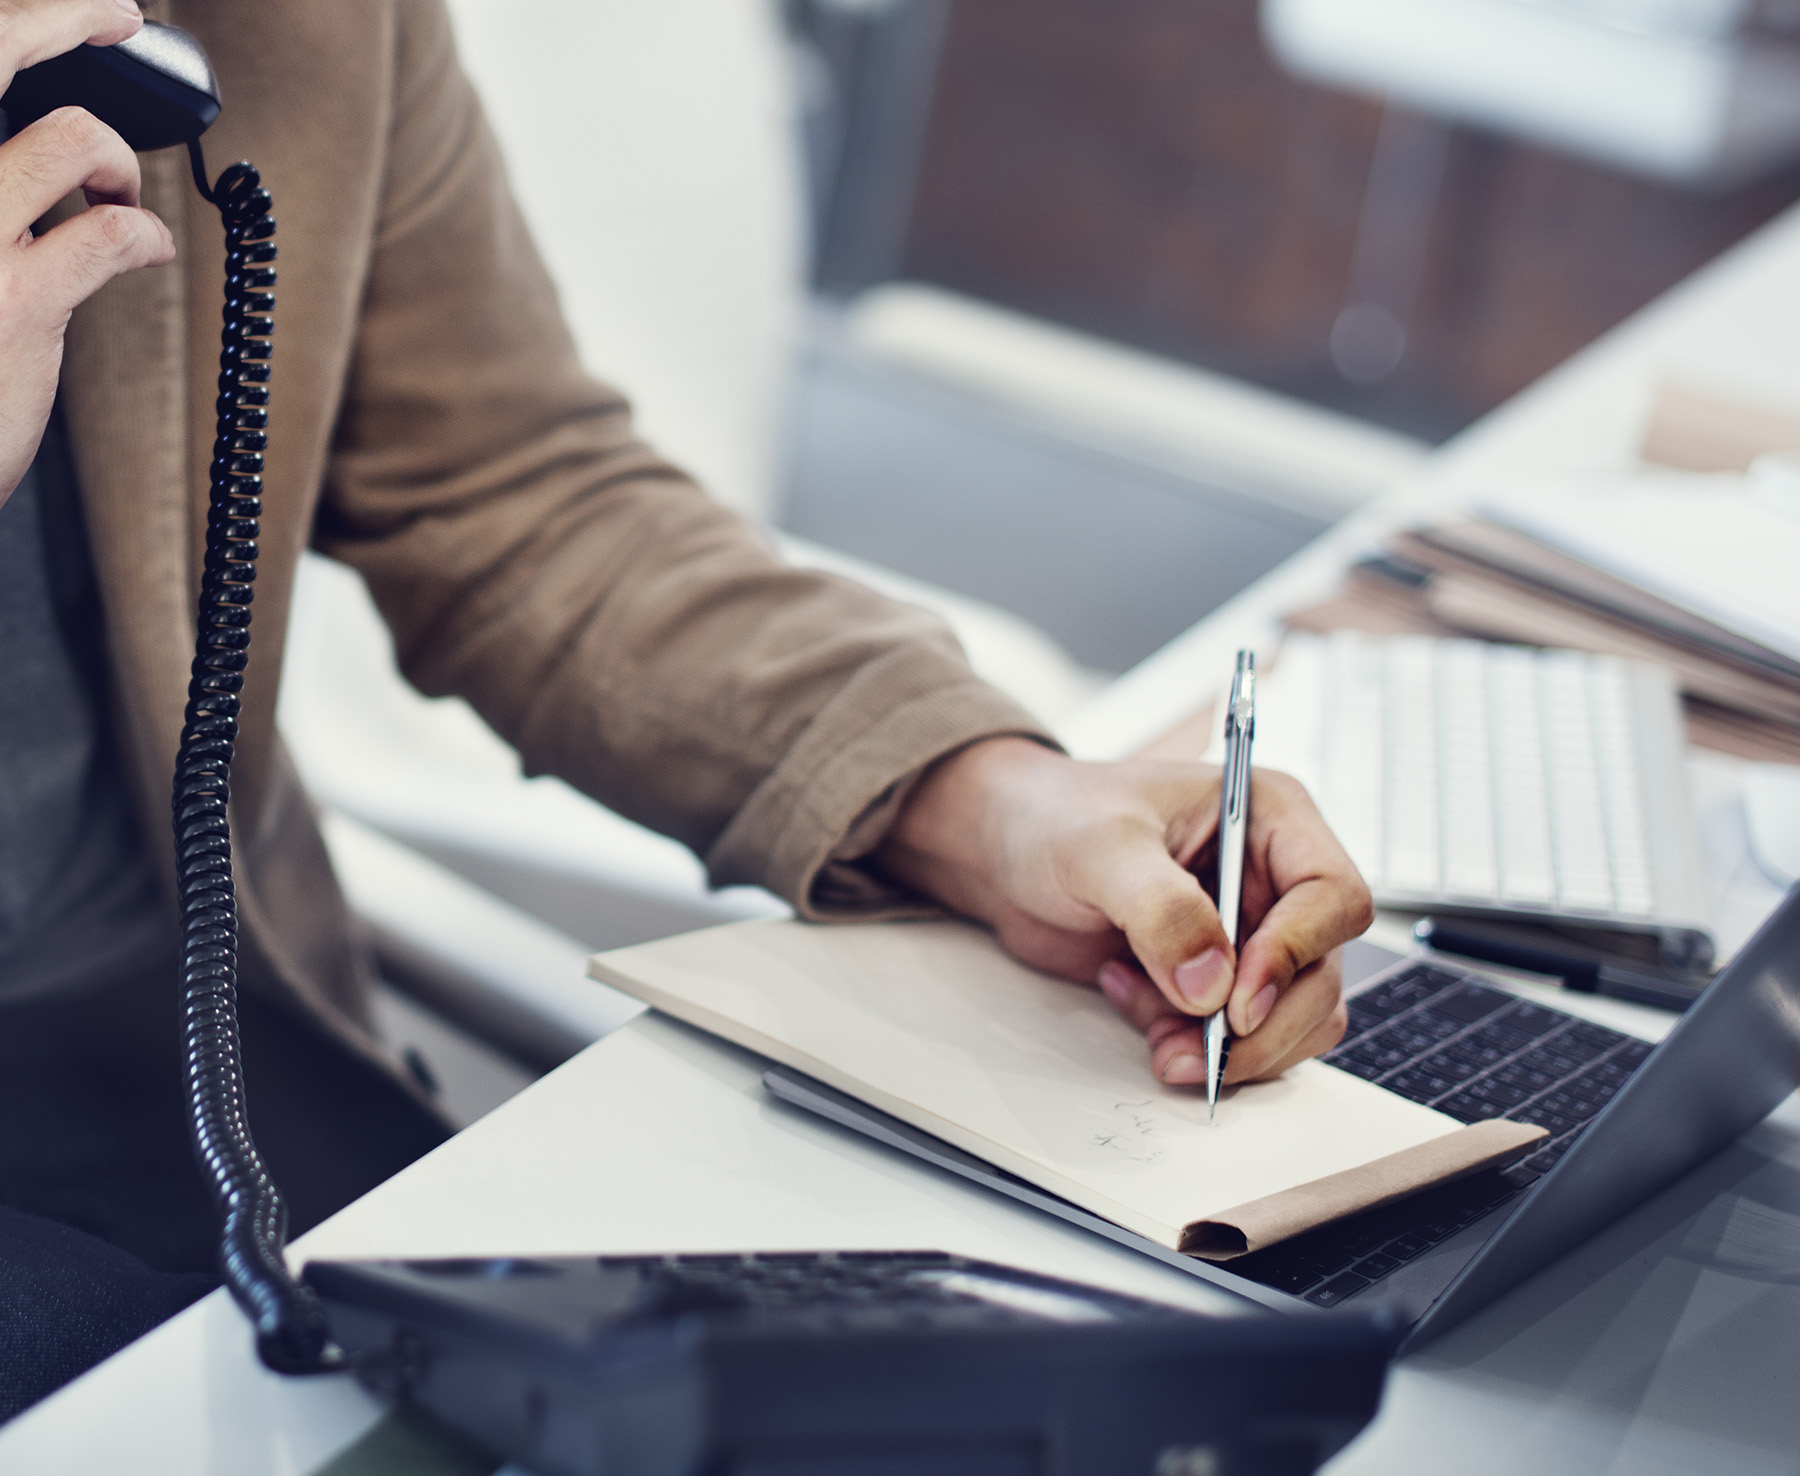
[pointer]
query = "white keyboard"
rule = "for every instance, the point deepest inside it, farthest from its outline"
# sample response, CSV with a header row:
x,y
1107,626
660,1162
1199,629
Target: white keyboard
x,y
1462,775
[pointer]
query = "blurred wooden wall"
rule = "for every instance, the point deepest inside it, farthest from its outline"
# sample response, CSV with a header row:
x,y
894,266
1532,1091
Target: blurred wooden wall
x,y
1142,169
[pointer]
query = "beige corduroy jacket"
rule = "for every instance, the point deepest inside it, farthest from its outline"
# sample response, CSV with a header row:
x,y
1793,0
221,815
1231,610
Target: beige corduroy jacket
x,y
431,426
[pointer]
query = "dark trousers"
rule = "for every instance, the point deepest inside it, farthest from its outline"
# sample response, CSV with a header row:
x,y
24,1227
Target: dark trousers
x,y
106,1228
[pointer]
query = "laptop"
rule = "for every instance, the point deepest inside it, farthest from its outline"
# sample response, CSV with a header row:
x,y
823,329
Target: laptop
x,y
1624,1118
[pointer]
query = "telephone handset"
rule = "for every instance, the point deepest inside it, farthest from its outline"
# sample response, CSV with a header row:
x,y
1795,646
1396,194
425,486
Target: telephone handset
x,y
157,90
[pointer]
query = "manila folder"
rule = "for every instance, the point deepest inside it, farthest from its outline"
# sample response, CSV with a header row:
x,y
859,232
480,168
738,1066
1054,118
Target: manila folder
x,y
934,1024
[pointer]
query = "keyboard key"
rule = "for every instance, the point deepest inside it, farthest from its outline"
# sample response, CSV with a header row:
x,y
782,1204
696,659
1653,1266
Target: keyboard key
x,y
1407,1247
1577,1048
1470,1213
1465,1108
1388,999
1590,1099
1554,1063
1324,1258
1545,1159
1588,1033
1436,1022
1338,1289
1476,1054
1381,1057
1362,1233
1429,1022
1552,1122
1518,1074
1405,1038
1419,1085
1453,1067
1471,1003
1354,1067
1538,1020
1414,984
1502,1035
1567,1104
1634,1053
1287,1276
1377,1266
1497,1093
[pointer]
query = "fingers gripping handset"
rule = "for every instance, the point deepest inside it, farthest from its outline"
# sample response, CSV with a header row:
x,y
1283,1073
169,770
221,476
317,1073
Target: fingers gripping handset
x,y
87,83
153,87
50,151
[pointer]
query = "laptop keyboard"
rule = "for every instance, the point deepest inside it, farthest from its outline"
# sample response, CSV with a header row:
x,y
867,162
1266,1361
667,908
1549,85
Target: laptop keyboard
x,y
1471,1051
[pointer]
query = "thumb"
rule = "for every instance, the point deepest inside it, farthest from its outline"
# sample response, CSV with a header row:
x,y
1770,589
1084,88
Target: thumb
x,y
1166,916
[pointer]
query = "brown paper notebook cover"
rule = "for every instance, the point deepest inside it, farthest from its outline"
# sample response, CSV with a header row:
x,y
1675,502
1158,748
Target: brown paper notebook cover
x,y
934,1024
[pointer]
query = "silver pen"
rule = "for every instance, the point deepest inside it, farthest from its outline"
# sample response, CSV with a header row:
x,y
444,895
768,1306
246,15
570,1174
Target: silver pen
x,y
1234,827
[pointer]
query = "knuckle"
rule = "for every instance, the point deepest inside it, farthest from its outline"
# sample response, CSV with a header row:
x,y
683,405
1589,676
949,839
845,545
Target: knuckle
x,y
1167,910
1282,783
1283,792
116,229
76,129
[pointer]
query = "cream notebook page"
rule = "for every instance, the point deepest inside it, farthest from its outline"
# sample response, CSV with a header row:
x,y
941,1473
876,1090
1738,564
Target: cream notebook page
x,y
932,1023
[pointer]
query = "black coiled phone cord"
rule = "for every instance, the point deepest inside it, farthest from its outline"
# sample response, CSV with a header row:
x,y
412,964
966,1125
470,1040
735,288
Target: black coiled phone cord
x,y
291,1331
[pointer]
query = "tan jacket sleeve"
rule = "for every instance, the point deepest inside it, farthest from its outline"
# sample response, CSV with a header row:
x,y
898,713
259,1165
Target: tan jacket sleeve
x,y
531,555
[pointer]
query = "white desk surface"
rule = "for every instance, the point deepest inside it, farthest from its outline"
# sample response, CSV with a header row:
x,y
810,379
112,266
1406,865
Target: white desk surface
x,y
1666,1344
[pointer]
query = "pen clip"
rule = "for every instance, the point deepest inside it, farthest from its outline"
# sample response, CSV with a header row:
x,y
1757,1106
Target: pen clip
x,y
1240,728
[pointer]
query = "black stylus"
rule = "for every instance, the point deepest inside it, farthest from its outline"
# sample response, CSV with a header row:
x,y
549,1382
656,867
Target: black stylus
x,y
1585,975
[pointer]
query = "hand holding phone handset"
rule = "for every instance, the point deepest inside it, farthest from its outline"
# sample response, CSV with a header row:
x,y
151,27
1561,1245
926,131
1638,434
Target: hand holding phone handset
x,y
44,278
155,89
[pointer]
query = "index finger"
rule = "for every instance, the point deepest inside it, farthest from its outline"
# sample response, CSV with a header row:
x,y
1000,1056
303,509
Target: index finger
x,y
1321,900
32,31
64,150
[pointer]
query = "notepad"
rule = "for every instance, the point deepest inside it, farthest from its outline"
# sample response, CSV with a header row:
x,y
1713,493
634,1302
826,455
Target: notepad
x,y
934,1024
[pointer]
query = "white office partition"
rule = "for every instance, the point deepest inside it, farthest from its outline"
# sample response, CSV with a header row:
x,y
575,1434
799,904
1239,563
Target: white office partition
x,y
652,145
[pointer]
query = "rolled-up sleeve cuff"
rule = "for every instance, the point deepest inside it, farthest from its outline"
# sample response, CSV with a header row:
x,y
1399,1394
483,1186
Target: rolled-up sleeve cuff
x,y
804,829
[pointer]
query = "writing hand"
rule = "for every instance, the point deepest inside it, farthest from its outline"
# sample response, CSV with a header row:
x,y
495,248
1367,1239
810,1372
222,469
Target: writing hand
x,y
1088,871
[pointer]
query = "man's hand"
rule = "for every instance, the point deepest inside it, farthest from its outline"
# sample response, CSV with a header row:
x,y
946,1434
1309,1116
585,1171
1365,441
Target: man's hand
x,y
1088,871
42,280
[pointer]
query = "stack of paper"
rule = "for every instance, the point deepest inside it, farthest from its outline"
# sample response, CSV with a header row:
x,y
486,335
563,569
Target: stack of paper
x,y
1696,573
